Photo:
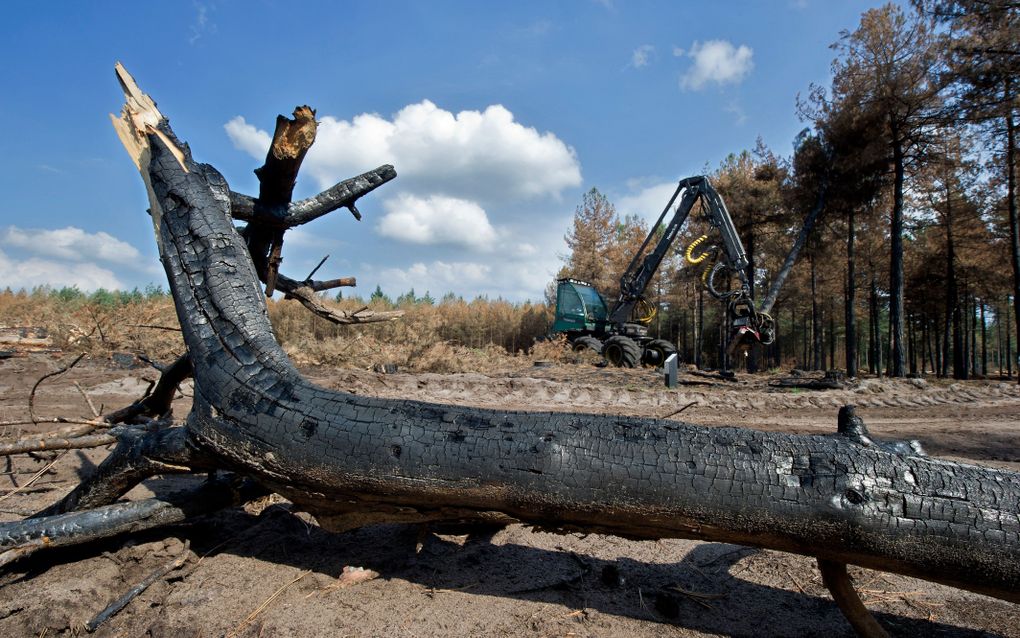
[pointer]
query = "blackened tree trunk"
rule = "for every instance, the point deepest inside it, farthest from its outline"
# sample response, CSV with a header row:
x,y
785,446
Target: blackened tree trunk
x,y
352,459
984,341
699,328
816,321
1009,343
972,311
832,336
911,351
1011,205
896,364
851,294
874,332
952,300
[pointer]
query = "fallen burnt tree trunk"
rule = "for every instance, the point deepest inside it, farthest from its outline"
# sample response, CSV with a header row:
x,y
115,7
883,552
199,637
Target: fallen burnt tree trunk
x,y
354,460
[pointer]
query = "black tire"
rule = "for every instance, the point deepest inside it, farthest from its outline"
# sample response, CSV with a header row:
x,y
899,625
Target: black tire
x,y
586,343
622,352
656,352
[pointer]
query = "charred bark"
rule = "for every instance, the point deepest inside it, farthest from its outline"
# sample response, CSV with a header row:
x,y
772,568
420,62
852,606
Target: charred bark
x,y
353,460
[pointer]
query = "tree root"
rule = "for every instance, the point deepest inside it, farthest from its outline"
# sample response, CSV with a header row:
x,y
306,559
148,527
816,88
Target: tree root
x,y
136,458
21,538
838,582
156,404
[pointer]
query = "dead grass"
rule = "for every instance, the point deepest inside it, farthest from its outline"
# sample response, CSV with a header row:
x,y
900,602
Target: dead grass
x,y
451,336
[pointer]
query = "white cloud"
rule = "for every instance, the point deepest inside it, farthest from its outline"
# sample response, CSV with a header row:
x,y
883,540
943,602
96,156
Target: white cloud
x,y
436,219
521,272
717,61
514,279
201,25
481,155
247,138
469,182
740,117
70,243
648,202
437,277
639,57
28,273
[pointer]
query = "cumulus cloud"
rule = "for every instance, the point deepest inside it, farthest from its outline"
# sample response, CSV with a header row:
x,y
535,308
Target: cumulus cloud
x,y
201,26
521,272
511,279
70,243
470,181
716,61
639,57
648,202
247,138
481,155
436,219
28,273
436,276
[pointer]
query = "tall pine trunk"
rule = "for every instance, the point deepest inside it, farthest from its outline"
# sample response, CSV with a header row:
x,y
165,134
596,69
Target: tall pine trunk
x,y
874,336
984,341
851,295
816,327
1014,223
897,362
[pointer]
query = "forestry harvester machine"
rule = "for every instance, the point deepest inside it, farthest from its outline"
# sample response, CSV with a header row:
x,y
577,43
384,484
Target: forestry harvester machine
x,y
621,335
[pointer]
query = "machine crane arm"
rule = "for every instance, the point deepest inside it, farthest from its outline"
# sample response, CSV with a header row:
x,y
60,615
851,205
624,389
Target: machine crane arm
x,y
641,270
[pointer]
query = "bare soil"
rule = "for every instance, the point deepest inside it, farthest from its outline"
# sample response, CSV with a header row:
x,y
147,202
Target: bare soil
x,y
265,570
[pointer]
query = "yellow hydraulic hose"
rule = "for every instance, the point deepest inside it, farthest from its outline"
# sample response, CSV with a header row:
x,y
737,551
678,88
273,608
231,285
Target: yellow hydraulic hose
x,y
647,311
689,253
708,271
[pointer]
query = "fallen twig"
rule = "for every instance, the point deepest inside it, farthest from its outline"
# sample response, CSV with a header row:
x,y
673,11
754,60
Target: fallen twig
x,y
17,553
698,597
58,443
153,327
236,631
88,399
123,601
673,414
58,419
35,477
31,396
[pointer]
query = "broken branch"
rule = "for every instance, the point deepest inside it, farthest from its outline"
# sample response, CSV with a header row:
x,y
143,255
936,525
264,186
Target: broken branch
x,y
342,195
132,593
31,395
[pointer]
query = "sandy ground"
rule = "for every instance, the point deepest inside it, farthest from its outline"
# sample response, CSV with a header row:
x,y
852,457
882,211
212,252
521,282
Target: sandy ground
x,y
268,571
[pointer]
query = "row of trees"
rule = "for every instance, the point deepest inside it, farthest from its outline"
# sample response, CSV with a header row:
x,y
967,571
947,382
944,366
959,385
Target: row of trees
x,y
914,265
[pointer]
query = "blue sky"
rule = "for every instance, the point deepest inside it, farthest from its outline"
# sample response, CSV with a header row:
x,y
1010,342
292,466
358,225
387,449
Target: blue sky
x,y
497,117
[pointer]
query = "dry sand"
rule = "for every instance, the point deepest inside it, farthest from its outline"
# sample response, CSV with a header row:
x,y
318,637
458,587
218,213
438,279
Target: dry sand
x,y
486,582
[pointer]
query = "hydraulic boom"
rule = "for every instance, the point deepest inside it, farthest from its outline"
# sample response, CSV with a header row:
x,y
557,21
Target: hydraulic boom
x,y
634,281
581,313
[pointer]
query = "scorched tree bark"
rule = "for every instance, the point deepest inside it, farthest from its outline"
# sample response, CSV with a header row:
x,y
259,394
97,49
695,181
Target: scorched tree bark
x,y
353,460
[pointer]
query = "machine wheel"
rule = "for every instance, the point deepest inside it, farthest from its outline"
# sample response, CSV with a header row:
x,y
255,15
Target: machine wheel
x,y
656,352
586,343
622,352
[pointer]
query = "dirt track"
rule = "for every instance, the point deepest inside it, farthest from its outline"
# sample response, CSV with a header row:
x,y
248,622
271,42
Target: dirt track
x,y
489,582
